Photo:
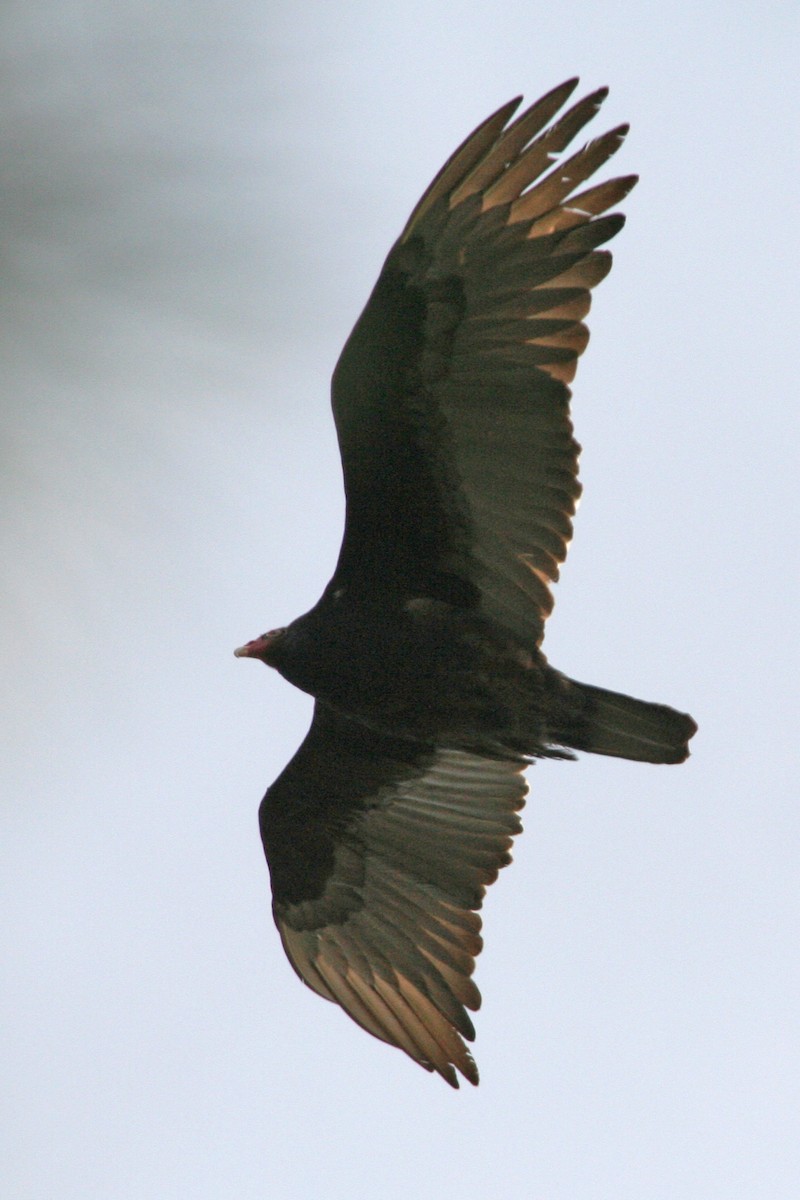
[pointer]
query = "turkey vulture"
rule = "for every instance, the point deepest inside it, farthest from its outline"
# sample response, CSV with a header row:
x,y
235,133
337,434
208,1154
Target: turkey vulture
x,y
451,402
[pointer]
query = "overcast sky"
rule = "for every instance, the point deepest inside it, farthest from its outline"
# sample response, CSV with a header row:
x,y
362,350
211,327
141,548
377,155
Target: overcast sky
x,y
198,199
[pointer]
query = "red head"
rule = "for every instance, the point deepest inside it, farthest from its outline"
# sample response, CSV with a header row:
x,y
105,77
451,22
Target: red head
x,y
261,647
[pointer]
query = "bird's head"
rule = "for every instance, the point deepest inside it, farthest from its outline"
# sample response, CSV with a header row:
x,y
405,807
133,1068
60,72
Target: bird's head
x,y
262,647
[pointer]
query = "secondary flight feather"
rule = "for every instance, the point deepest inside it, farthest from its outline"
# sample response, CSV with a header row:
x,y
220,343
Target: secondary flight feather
x,y
451,401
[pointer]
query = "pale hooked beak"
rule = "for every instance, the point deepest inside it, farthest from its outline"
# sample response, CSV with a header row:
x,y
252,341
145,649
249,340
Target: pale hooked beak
x,y
258,646
244,651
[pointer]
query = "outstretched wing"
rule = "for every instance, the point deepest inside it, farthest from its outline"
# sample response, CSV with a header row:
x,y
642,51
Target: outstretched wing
x,y
451,396
380,851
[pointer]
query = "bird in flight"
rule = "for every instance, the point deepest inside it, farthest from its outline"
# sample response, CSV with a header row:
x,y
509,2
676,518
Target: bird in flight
x,y
451,402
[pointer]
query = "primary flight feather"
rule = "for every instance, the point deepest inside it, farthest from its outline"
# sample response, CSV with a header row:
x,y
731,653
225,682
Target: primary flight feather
x,y
451,402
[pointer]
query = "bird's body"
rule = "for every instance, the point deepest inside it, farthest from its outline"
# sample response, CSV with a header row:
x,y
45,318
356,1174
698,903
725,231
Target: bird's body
x,y
444,675
451,402
420,668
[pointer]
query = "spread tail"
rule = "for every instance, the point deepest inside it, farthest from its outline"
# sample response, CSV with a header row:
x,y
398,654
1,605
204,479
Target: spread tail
x,y
606,722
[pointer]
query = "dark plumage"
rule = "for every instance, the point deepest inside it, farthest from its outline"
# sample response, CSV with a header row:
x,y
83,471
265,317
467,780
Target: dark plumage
x,y
451,403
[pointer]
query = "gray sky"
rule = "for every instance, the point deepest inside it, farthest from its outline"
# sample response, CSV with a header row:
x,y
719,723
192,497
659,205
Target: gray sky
x,y
199,197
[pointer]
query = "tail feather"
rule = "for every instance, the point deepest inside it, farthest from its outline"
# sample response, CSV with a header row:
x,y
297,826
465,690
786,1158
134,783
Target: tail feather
x,y
606,722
